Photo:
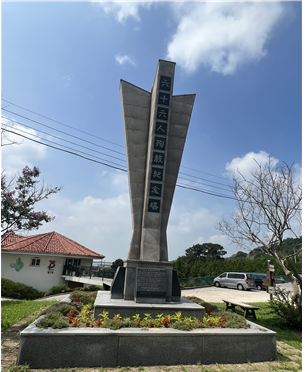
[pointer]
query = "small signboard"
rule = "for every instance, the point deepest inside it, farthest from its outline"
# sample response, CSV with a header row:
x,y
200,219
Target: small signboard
x,y
271,289
271,269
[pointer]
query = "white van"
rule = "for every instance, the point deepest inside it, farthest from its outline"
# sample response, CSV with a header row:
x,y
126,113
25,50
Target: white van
x,y
235,280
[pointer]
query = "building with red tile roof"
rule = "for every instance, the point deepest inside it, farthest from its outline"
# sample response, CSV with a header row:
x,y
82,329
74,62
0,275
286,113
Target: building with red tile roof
x,y
49,243
40,260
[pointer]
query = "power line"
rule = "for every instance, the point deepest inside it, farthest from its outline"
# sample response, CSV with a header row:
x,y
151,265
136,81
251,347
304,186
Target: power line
x,y
57,130
124,170
67,147
55,121
106,164
218,183
201,183
69,152
209,174
89,134
62,139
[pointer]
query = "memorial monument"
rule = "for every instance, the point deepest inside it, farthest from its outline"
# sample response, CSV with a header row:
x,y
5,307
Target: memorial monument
x,y
156,125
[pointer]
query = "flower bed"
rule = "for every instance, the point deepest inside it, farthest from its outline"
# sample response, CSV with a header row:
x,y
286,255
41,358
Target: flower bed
x,y
140,341
79,313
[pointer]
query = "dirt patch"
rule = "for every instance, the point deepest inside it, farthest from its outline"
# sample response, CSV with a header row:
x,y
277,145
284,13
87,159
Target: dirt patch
x,y
289,359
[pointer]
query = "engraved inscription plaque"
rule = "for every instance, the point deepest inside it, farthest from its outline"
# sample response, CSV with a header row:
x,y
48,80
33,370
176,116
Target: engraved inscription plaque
x,y
151,283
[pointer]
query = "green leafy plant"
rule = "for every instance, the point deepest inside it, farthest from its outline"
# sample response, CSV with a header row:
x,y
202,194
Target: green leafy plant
x,y
286,307
84,313
104,315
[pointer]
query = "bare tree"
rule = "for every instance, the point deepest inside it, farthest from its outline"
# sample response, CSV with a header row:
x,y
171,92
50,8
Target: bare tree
x,y
268,206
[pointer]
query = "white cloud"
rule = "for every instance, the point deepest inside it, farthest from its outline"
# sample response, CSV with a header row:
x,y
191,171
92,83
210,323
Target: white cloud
x,y
103,225
15,157
188,227
247,164
124,59
123,10
222,36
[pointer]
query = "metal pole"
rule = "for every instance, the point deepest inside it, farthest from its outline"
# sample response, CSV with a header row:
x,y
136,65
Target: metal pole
x,y
269,276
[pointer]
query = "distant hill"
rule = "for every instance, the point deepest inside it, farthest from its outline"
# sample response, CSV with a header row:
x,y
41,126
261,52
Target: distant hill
x,y
290,245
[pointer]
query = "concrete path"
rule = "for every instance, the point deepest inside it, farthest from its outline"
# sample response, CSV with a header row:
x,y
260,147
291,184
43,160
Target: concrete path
x,y
57,297
214,294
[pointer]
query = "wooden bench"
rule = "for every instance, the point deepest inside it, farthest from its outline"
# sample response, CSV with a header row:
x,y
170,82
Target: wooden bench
x,y
248,309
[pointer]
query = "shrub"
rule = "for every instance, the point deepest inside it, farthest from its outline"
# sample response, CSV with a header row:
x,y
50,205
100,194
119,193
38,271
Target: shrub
x,y
285,306
202,303
94,287
54,320
62,308
56,289
19,291
84,298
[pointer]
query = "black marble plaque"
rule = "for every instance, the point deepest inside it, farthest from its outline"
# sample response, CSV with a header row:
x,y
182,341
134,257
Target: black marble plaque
x,y
156,174
155,189
158,158
151,283
165,83
161,128
154,205
163,99
159,143
162,113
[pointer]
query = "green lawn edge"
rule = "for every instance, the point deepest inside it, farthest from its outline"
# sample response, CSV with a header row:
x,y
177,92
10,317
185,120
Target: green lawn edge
x,y
14,311
269,320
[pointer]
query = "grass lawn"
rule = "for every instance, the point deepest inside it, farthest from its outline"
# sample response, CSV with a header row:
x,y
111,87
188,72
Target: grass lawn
x,y
267,319
13,311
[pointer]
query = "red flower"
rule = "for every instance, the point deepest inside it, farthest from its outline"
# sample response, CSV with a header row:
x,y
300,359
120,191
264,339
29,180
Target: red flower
x,y
224,319
116,319
210,322
74,322
150,323
221,323
198,321
76,300
165,320
98,321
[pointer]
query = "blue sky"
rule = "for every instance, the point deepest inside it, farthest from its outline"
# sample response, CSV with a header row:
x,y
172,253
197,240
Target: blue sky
x,y
64,60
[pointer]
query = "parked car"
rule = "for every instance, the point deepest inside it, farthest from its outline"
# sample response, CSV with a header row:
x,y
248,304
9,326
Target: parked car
x,y
235,280
258,277
279,280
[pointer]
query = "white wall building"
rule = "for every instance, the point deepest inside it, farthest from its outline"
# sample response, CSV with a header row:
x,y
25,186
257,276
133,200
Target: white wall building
x,y
40,261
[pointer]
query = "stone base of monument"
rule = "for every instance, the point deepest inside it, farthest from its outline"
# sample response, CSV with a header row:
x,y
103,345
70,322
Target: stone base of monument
x,y
146,281
127,309
134,347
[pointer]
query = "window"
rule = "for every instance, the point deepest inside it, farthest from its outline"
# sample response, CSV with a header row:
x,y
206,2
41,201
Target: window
x,y
240,276
232,276
223,275
35,261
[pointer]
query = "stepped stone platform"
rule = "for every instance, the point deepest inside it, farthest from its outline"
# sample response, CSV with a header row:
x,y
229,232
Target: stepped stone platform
x,y
129,308
134,347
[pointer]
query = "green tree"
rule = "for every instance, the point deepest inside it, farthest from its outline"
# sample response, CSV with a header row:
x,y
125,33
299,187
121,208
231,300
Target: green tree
x,y
115,264
205,252
18,199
